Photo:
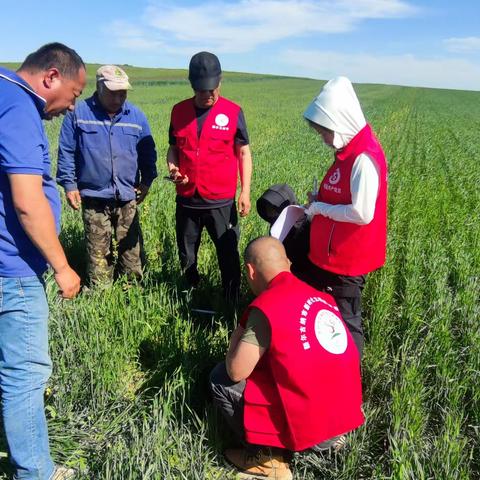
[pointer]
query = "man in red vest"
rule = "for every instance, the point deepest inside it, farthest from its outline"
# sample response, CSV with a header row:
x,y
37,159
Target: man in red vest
x,y
209,146
291,379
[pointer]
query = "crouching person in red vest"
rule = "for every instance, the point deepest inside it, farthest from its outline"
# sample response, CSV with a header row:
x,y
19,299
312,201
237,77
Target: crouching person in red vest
x,y
291,378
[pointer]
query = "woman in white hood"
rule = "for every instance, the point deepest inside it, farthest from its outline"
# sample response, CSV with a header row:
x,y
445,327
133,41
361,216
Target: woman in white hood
x,y
348,215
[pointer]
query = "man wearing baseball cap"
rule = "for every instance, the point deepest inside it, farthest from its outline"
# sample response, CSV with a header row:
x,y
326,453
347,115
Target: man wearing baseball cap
x,y
106,164
209,147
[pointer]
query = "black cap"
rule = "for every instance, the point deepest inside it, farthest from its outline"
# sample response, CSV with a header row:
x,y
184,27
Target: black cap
x,y
204,71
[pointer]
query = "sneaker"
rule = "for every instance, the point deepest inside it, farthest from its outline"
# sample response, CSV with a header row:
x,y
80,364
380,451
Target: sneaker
x,y
62,473
260,465
335,443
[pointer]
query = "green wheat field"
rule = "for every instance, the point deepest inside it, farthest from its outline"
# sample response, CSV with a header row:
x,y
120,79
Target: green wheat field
x,y
129,399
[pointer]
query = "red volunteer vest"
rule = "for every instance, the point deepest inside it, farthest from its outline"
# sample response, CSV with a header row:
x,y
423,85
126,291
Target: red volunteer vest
x,y
209,161
346,248
306,387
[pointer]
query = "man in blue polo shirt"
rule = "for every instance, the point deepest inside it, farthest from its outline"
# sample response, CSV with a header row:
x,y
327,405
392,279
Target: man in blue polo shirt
x,y
106,164
45,86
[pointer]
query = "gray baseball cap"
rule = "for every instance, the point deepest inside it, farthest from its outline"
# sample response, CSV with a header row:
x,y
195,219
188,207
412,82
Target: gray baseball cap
x,y
204,71
113,77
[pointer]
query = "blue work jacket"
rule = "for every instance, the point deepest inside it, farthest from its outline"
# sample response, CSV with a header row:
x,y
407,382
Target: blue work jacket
x,y
105,157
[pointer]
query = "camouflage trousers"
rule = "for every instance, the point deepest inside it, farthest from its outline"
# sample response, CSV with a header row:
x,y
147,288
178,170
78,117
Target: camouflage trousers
x,y
119,254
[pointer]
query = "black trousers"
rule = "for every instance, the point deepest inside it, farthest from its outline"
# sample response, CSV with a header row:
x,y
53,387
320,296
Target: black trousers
x,y
227,397
222,227
347,292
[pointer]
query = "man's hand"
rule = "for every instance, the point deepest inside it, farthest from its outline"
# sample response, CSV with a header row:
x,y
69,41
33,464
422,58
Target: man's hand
x,y
244,204
141,192
313,209
68,282
177,177
172,164
74,199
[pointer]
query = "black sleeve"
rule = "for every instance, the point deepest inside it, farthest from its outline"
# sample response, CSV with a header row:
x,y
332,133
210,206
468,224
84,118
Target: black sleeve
x,y
147,158
241,135
171,137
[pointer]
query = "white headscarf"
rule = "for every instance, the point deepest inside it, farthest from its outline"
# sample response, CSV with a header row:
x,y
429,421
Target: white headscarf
x,y
337,108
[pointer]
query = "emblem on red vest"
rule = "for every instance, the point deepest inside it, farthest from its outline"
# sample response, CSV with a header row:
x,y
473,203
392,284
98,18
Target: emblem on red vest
x,y
221,122
334,177
330,332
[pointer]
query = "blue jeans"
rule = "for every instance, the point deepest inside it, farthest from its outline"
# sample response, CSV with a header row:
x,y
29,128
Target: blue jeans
x,y
25,367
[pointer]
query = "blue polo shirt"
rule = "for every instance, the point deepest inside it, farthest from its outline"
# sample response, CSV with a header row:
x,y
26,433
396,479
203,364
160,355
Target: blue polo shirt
x,y
105,157
23,150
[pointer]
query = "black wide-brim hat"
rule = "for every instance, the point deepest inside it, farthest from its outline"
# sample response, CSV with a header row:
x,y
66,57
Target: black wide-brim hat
x,y
204,71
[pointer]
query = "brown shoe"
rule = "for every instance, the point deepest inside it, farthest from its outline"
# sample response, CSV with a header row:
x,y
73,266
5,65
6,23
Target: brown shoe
x,y
263,464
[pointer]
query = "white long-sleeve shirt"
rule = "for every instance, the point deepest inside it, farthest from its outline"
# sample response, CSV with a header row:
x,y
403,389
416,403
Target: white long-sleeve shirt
x,y
364,183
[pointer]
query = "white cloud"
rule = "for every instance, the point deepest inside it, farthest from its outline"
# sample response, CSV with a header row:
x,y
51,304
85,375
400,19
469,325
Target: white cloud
x,y
397,70
463,45
234,27
131,37
374,8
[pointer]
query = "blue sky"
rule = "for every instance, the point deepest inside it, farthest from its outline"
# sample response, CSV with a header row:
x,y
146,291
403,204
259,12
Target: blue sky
x,y
406,42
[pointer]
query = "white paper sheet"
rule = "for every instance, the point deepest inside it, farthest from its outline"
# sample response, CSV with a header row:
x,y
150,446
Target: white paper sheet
x,y
286,220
